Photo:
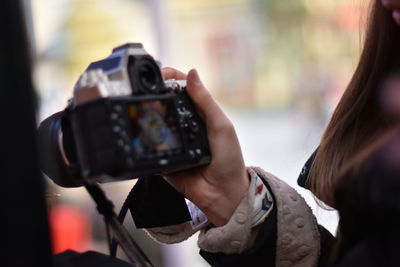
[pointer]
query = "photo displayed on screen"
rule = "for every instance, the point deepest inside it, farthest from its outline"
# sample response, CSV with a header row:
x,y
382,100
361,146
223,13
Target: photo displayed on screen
x,y
154,128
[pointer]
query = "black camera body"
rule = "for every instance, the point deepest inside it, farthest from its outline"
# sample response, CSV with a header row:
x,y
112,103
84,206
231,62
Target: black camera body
x,y
125,121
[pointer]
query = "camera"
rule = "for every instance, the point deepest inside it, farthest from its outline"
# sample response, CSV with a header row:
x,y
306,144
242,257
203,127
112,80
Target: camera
x,y
124,121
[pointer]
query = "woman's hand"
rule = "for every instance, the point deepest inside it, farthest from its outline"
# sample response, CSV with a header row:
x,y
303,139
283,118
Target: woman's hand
x,y
216,188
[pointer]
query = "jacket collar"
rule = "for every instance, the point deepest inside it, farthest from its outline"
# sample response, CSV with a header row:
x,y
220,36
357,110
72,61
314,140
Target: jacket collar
x,y
302,180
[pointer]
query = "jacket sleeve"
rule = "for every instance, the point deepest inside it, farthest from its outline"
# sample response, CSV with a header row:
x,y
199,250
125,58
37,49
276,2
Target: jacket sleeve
x,y
262,252
290,236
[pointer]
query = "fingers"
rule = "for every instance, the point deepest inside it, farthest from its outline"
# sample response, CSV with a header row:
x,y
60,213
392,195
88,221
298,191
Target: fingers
x,y
208,107
171,73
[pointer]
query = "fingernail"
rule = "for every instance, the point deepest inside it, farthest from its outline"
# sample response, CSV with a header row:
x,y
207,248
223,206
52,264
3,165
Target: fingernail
x,y
196,78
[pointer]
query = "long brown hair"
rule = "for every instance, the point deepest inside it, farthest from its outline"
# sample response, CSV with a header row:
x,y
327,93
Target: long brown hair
x,y
358,119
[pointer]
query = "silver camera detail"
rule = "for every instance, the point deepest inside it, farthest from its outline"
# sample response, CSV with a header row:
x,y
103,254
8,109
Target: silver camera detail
x,y
112,79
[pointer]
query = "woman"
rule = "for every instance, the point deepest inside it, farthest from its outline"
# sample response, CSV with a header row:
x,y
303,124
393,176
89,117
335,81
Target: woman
x,y
276,227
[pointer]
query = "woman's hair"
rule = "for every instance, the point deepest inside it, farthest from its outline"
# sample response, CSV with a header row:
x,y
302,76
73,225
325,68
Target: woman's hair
x,y
358,119
366,194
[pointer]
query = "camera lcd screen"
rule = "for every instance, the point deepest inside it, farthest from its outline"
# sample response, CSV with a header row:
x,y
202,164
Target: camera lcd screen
x,y
155,129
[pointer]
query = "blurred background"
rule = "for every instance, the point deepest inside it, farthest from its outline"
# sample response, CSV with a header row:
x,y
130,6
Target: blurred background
x,y
277,68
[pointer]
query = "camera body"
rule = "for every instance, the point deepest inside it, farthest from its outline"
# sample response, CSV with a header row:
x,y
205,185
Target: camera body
x,y
125,121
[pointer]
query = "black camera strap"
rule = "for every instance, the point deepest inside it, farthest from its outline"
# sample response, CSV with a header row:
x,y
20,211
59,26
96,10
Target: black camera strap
x,y
121,218
118,231
153,202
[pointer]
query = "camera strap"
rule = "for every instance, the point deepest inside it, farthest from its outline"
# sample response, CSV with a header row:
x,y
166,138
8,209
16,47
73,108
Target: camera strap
x,y
153,202
118,231
121,218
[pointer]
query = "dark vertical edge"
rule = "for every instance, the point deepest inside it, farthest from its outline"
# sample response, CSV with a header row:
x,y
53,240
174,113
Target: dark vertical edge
x,y
24,231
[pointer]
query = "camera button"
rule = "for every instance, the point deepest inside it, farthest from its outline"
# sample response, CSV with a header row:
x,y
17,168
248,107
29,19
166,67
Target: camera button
x,y
121,122
194,127
124,135
114,116
129,162
163,162
118,108
192,137
127,148
116,129
120,142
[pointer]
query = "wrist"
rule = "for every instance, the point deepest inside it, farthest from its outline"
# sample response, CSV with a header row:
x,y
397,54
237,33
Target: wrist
x,y
240,232
220,204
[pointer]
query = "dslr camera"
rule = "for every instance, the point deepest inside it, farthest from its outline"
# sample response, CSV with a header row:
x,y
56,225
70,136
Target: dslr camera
x,y
124,121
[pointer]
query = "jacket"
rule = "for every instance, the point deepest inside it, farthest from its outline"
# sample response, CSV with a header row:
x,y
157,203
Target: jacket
x,y
290,236
367,199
